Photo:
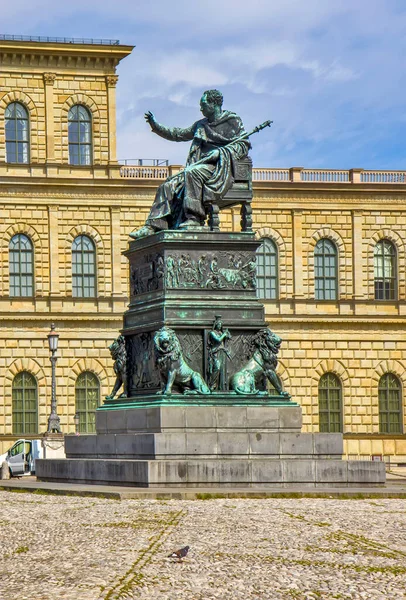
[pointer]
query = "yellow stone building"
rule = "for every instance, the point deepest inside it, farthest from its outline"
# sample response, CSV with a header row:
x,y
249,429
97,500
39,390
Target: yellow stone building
x,y
331,270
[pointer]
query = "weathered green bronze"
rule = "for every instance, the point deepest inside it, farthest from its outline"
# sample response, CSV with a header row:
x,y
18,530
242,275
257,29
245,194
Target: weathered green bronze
x,y
219,140
265,345
217,356
180,282
172,366
119,355
217,399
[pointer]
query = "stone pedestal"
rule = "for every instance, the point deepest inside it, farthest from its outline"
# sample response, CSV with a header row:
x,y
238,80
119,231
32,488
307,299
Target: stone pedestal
x,y
208,446
53,445
183,280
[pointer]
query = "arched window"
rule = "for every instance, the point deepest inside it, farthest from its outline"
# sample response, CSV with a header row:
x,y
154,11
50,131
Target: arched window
x,y
267,270
385,271
330,404
325,270
390,404
21,266
17,133
83,267
87,392
80,135
24,404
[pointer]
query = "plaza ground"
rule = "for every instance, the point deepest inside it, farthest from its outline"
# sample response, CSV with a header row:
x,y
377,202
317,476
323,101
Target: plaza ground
x,y
81,548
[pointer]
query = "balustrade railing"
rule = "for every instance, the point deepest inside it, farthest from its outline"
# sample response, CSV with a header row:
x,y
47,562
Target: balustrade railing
x,y
383,176
140,172
270,175
159,169
324,176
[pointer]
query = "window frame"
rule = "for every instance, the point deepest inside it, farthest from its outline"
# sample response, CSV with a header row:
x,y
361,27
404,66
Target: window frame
x,y
323,256
270,291
87,416
399,412
16,141
328,425
32,428
16,286
75,158
78,290
390,292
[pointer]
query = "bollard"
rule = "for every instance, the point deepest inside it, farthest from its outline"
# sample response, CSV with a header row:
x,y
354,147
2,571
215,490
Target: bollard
x,y
4,471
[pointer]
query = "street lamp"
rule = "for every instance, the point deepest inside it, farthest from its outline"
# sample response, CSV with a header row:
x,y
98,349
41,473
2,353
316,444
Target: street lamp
x,y
76,420
54,422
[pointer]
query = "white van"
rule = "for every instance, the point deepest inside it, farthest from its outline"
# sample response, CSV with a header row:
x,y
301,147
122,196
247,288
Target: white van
x,y
21,457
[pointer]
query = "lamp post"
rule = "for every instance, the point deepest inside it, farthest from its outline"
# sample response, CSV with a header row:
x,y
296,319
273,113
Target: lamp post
x,y
54,422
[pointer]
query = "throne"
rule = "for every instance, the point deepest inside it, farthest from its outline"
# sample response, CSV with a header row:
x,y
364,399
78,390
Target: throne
x,y
239,193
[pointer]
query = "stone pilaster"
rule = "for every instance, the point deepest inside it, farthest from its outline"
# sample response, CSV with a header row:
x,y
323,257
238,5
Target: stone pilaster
x,y
115,251
49,80
297,237
111,82
358,275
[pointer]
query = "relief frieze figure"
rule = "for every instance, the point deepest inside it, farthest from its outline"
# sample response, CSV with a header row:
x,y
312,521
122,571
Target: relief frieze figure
x,y
228,271
147,276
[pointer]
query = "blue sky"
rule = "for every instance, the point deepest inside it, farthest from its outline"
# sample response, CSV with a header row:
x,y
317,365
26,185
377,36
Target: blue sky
x,y
331,75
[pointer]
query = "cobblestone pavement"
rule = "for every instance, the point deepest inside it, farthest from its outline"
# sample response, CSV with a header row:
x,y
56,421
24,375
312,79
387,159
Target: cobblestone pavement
x,y
58,547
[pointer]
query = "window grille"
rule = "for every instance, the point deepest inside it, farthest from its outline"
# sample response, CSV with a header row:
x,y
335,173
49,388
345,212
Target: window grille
x,y
325,270
267,270
385,271
87,394
21,266
390,404
17,133
24,404
80,135
330,404
83,267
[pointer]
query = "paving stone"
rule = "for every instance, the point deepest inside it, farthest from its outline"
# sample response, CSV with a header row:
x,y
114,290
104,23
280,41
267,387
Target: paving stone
x,y
80,548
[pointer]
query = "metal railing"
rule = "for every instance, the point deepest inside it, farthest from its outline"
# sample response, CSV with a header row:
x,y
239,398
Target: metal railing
x,y
58,40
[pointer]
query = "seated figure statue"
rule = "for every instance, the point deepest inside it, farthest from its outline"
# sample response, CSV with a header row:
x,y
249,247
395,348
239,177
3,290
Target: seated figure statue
x,y
180,201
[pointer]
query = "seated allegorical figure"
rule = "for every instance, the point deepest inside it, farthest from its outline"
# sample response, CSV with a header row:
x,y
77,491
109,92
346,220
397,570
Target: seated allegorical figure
x,y
180,201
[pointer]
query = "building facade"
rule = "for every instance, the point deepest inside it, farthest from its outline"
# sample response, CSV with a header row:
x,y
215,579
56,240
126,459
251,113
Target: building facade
x,y
331,267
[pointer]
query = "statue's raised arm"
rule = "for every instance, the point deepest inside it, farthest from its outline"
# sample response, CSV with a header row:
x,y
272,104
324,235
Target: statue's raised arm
x,y
173,134
217,140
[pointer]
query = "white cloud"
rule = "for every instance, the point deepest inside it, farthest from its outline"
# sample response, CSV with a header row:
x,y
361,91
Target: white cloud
x,y
330,74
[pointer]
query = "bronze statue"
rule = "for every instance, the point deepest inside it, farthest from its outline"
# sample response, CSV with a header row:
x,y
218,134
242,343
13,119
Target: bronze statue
x,y
218,140
119,355
217,356
172,367
266,345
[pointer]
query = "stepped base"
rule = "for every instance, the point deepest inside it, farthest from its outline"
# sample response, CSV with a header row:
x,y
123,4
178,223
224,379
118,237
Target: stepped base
x,y
227,473
207,446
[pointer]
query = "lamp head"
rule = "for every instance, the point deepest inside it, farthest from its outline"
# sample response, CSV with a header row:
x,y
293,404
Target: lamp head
x,y
53,339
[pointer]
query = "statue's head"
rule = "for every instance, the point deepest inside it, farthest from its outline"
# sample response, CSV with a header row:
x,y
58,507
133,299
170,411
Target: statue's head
x,y
217,323
211,103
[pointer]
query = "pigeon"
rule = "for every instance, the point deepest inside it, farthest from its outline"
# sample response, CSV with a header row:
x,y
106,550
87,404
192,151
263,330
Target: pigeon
x,y
179,554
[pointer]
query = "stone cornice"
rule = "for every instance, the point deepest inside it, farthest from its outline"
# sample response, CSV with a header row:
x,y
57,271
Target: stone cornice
x,y
36,56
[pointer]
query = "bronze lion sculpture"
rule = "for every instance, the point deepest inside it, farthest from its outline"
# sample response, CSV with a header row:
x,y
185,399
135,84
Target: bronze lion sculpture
x,y
172,367
119,355
265,346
